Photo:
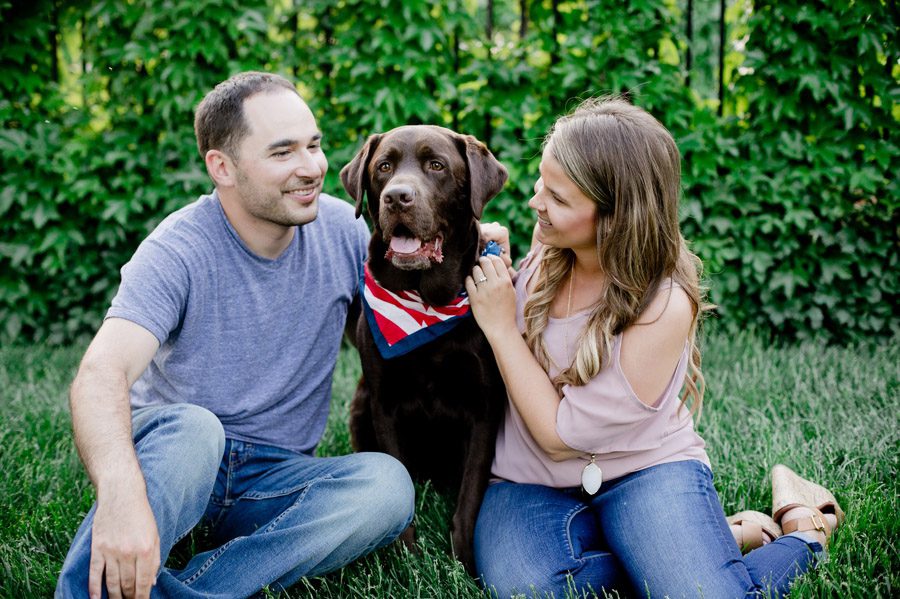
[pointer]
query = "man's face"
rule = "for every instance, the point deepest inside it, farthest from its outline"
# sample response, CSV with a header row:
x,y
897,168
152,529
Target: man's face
x,y
280,165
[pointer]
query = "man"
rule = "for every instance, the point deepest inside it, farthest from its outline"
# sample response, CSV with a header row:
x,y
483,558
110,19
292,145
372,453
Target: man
x,y
205,391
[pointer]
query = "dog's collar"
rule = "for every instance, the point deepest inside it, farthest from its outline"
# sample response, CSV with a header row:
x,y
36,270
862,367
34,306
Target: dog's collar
x,y
401,322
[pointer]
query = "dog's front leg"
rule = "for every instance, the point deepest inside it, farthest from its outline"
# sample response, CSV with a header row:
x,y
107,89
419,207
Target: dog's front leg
x,y
362,431
387,442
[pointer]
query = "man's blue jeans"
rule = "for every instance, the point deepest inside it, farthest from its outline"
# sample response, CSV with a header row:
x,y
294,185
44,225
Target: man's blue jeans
x,y
278,515
657,532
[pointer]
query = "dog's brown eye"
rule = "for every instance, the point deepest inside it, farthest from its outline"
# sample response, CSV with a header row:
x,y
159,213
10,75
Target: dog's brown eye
x,y
435,165
383,166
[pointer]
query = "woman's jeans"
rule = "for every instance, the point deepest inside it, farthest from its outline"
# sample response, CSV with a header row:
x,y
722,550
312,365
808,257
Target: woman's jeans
x,y
656,532
277,515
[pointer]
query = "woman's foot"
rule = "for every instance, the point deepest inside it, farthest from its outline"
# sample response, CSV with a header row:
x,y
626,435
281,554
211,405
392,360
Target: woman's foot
x,y
800,514
803,506
753,529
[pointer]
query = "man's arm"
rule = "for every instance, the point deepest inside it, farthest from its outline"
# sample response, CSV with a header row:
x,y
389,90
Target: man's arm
x,y
353,313
125,541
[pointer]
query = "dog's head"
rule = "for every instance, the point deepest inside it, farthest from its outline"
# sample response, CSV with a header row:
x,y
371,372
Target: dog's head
x,y
425,188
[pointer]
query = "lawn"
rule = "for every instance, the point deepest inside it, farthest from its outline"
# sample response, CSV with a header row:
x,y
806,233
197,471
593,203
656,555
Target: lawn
x,y
831,413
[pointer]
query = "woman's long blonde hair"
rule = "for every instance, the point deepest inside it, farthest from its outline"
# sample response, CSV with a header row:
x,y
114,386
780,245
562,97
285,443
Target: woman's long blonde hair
x,y
627,162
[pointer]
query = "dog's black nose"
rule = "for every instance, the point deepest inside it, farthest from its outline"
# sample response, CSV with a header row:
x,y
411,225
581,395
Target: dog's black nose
x,y
399,196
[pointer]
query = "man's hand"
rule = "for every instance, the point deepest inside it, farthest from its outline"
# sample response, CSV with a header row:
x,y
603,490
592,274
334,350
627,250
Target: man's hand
x,y
125,540
124,544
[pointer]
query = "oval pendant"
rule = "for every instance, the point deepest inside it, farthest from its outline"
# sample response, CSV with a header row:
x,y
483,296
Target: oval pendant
x,y
591,478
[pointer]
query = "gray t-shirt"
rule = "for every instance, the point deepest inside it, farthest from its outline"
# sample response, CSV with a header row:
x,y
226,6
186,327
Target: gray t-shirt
x,y
253,340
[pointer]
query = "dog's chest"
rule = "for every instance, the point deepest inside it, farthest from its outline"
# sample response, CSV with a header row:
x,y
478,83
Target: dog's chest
x,y
448,379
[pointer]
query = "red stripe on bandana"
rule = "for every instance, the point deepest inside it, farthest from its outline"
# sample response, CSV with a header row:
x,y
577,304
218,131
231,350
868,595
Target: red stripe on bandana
x,y
405,317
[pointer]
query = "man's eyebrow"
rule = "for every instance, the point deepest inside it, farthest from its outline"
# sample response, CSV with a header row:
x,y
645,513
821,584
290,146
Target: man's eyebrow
x,y
286,143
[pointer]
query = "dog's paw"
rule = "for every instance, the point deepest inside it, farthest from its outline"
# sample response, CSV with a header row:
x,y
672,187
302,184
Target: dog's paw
x,y
461,546
408,538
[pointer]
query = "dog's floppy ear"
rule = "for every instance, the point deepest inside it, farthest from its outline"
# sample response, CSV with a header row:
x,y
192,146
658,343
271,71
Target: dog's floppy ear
x,y
486,175
355,176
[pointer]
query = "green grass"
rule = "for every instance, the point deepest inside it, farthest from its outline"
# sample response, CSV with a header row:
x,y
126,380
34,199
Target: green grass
x,y
831,413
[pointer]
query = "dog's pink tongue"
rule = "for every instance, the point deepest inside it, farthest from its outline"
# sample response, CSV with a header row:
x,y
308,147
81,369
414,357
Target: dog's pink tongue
x,y
405,245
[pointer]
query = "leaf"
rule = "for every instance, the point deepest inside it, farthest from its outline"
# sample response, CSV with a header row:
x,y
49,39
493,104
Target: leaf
x,y
7,197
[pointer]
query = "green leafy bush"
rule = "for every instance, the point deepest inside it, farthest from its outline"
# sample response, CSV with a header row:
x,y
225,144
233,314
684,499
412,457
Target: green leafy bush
x,y
790,197
795,211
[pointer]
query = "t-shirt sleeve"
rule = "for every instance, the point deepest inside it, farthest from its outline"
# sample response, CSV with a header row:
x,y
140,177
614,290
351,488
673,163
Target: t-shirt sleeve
x,y
361,240
153,290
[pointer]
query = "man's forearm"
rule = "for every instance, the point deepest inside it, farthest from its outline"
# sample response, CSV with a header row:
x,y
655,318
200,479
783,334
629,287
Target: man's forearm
x,y
101,420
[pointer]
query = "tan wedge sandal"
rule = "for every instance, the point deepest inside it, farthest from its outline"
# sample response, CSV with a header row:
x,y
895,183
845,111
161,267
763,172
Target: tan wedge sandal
x,y
789,490
753,525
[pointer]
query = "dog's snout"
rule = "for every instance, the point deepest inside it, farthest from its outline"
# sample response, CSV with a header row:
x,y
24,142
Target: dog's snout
x,y
399,196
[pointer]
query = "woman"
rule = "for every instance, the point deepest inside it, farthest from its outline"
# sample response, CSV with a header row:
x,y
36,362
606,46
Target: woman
x,y
601,480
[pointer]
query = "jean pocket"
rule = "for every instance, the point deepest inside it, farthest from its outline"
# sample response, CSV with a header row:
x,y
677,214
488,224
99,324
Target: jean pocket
x,y
261,495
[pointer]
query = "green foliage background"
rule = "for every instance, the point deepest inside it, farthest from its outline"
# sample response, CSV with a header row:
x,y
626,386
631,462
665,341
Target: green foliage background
x,y
790,190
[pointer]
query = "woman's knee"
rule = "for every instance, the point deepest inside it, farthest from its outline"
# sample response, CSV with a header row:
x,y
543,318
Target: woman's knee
x,y
535,541
552,576
506,562
506,579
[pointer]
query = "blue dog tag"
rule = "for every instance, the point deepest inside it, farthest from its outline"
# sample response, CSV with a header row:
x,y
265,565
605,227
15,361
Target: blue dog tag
x,y
492,249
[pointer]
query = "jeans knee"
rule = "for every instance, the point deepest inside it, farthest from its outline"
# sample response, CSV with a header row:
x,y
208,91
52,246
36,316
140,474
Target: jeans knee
x,y
200,430
535,584
186,440
390,494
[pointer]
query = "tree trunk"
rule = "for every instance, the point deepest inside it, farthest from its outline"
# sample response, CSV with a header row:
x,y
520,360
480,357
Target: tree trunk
x,y
689,56
722,43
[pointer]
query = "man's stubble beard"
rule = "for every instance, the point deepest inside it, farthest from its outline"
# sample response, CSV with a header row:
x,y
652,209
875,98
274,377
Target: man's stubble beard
x,y
268,207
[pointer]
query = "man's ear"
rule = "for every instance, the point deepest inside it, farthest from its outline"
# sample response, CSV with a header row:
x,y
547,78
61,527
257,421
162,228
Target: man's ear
x,y
221,168
486,175
355,175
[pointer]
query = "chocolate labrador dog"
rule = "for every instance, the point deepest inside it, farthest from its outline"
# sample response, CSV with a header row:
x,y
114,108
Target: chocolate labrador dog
x,y
430,394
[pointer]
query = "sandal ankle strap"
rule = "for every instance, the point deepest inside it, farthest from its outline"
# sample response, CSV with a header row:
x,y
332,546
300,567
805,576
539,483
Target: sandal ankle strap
x,y
814,522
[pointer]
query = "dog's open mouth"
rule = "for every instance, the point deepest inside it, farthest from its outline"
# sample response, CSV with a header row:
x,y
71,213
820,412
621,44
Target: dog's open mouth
x,y
405,247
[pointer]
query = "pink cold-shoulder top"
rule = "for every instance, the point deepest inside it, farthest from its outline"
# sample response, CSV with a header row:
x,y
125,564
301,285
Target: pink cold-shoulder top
x,y
603,417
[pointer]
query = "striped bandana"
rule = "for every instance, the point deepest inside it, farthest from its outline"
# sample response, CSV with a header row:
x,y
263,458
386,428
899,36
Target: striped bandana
x,y
401,322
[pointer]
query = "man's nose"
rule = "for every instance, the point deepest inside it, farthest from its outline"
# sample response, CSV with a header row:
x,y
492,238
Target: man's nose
x,y
307,166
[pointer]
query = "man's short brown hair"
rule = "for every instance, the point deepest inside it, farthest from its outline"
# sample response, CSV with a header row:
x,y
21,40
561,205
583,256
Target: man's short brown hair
x,y
219,122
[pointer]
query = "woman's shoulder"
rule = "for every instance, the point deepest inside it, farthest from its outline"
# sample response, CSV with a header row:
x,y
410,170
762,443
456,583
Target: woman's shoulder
x,y
528,266
653,346
532,258
670,306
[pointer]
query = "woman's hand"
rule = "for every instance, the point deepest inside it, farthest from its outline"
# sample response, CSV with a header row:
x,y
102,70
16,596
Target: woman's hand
x,y
492,297
500,235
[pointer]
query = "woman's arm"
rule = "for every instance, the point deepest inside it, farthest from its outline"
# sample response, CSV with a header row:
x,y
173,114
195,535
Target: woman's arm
x,y
494,307
652,347
651,350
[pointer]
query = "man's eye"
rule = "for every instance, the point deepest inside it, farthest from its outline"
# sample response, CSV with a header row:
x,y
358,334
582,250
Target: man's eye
x,y
383,166
281,153
435,165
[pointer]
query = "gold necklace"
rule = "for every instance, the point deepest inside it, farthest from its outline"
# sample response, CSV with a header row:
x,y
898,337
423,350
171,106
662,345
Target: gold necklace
x,y
568,314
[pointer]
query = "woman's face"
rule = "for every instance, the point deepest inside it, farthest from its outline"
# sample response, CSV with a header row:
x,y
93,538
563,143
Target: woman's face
x,y
566,217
